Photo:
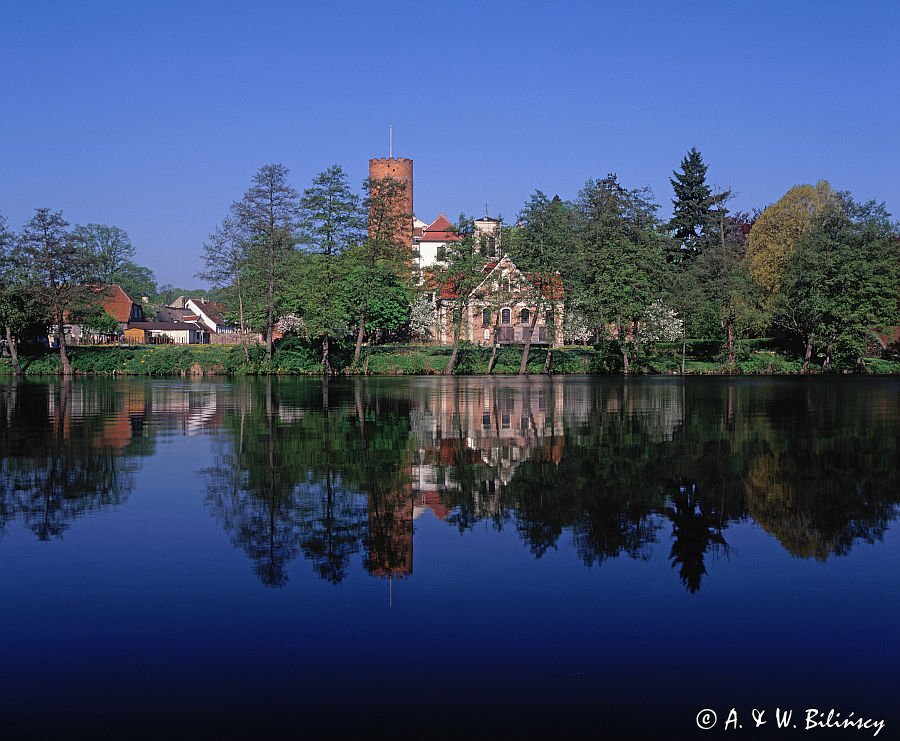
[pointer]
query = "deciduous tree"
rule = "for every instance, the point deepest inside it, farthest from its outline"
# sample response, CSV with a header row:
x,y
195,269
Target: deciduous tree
x,y
56,267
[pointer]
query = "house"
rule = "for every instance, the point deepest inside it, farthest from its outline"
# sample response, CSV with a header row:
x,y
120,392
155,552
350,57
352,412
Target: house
x,y
166,333
113,301
506,300
430,243
210,313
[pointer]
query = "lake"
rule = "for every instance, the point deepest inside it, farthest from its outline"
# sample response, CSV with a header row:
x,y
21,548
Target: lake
x,y
431,557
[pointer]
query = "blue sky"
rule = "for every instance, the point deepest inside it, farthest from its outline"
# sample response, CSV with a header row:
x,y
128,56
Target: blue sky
x,y
153,116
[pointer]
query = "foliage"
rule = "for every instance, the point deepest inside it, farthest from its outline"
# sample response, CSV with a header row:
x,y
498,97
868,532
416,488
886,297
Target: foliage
x,y
692,217
841,279
778,229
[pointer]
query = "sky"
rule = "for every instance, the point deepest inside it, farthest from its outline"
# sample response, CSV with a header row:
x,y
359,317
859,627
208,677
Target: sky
x,y
154,116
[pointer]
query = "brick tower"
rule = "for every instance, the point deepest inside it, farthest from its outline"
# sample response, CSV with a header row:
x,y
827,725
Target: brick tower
x,y
401,169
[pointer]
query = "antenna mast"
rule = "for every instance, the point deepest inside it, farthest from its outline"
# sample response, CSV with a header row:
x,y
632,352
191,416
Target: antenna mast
x,y
391,144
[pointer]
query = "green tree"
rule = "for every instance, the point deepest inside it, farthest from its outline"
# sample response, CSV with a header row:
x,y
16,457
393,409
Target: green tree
x,y
56,267
721,274
332,222
692,217
106,249
378,270
842,279
620,260
267,217
12,296
455,280
542,248
225,255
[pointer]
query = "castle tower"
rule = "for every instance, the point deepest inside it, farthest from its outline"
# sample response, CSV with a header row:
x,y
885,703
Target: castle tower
x,y
400,169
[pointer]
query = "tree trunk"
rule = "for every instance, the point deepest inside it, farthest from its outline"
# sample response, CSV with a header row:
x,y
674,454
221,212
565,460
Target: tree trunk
x,y
826,364
807,355
623,342
548,361
683,351
61,338
635,338
729,342
326,363
495,344
13,352
523,367
457,330
361,333
243,327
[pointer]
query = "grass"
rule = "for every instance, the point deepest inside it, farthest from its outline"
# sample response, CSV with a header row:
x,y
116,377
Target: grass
x,y
295,358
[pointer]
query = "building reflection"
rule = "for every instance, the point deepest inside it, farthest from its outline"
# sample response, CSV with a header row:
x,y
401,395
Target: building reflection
x,y
335,470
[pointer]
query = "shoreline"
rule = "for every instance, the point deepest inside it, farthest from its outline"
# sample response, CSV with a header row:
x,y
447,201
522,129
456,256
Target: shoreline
x,y
176,361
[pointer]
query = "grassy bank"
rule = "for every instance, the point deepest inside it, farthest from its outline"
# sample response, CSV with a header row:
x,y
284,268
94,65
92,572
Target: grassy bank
x,y
754,357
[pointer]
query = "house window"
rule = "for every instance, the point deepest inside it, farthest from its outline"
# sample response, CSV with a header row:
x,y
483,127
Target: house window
x,y
548,317
442,252
486,317
504,316
524,316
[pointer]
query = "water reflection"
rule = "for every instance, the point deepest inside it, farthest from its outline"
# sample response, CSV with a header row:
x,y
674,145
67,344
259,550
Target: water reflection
x,y
334,471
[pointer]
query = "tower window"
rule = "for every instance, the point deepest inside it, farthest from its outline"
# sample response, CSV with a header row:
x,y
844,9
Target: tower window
x,y
524,316
505,316
486,317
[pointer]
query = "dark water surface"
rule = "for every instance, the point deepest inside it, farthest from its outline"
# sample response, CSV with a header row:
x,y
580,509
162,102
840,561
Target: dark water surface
x,y
447,557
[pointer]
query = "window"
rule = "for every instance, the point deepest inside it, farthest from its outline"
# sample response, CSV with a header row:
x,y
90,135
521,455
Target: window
x,y
486,317
442,252
504,316
524,316
548,317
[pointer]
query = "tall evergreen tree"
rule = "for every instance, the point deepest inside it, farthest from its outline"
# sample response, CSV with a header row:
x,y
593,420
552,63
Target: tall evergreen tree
x,y
692,217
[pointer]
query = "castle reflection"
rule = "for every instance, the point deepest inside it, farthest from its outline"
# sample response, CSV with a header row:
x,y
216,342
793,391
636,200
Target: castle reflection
x,y
333,471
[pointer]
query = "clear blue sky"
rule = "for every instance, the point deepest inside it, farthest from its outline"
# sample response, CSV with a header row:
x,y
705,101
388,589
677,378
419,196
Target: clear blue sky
x,y
153,116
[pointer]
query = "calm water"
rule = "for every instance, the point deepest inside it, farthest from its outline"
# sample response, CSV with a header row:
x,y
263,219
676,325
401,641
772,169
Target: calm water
x,y
413,558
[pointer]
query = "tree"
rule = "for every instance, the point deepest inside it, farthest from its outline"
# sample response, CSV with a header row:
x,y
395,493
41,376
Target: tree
x,y
455,281
136,280
57,267
692,215
225,257
13,299
721,274
378,270
106,249
541,248
778,229
331,223
619,260
267,216
842,279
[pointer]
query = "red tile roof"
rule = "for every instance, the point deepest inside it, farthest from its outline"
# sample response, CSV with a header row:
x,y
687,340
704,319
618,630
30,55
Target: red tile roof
x,y
116,302
440,230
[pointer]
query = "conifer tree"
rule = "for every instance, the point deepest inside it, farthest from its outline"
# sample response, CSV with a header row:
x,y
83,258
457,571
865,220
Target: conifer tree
x,y
692,215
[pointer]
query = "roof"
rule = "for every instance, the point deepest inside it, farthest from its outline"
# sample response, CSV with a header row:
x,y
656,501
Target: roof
x,y
489,218
550,285
116,302
214,310
440,230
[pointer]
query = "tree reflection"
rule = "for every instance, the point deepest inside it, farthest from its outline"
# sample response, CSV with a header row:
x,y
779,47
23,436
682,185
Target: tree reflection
x,y
59,462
